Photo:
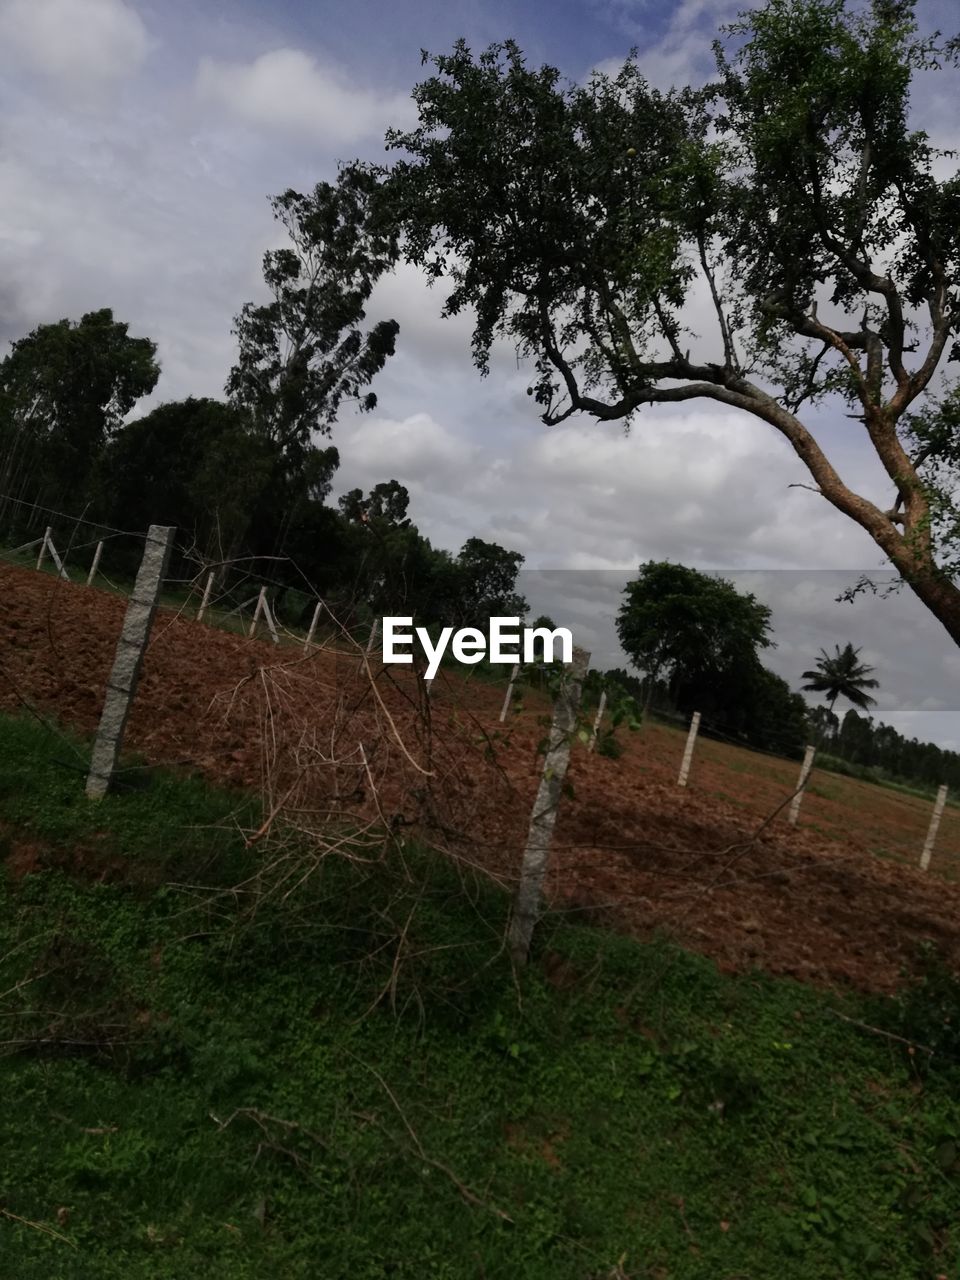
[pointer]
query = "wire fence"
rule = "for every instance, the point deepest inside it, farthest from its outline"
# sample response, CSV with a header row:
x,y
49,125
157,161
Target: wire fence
x,y
889,822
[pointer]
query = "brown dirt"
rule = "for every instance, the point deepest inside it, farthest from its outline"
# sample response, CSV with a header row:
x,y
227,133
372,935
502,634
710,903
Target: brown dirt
x,y
827,902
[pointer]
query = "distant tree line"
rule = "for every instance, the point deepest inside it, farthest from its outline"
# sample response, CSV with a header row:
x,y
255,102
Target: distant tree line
x,y
248,475
217,470
858,740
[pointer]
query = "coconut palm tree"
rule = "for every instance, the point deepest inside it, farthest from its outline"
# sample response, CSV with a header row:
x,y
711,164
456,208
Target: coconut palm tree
x,y
841,676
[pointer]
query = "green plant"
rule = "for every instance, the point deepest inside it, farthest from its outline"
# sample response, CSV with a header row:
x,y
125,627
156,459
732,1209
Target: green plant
x,y
354,1084
926,1012
609,746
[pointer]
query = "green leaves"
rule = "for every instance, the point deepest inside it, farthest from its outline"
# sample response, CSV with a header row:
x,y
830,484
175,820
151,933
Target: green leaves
x,y
841,676
684,622
574,220
521,192
64,391
307,350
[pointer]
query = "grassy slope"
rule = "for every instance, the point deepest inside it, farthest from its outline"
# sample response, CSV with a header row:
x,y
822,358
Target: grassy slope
x,y
630,1103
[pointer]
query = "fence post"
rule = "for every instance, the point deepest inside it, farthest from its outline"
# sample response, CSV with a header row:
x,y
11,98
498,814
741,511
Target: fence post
x,y
43,544
264,608
313,626
526,904
131,646
688,750
372,638
207,592
261,601
941,800
596,723
61,571
257,611
801,784
269,619
96,564
508,696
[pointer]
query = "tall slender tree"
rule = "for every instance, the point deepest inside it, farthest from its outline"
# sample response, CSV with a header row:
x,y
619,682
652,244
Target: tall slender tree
x,y
307,349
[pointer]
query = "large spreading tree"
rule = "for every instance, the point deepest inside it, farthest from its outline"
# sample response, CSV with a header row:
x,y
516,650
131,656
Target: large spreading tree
x,y
696,634
683,626
64,392
581,222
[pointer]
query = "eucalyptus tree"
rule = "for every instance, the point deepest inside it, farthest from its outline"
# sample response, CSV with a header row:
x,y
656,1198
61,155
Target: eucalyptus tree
x,y
307,349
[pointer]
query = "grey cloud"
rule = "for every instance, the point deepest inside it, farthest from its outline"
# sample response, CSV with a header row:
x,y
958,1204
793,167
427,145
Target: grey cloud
x,y
290,91
79,45
914,659
158,208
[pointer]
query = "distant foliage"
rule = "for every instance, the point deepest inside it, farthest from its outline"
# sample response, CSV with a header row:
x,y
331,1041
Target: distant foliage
x,y
65,390
697,638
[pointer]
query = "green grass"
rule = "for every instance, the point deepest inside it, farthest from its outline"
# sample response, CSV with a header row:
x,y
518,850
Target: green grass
x,y
354,1085
154,827
878,777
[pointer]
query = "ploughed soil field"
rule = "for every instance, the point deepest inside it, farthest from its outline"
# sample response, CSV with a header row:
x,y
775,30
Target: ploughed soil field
x,y
337,744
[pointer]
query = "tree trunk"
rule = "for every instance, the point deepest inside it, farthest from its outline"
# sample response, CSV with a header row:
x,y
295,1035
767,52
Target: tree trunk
x,y
942,598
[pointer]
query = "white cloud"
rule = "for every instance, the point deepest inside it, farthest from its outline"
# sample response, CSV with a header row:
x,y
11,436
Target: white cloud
x,y
160,211
81,42
289,90
683,485
417,450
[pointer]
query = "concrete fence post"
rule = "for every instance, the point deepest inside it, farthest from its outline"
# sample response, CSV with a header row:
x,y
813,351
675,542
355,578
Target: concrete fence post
x,y
131,646
313,626
96,564
47,545
261,601
264,611
688,750
596,721
801,785
43,545
526,904
508,696
937,814
207,593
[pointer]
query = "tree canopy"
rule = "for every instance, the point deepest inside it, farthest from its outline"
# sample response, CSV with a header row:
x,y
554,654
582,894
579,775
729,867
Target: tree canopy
x,y
306,350
64,391
681,624
582,222
842,675
696,634
195,464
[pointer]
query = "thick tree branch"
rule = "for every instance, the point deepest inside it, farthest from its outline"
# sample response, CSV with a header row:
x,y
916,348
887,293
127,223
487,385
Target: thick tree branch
x,y
712,382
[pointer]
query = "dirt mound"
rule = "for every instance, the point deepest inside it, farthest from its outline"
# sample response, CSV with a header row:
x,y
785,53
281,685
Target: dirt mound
x,y
632,849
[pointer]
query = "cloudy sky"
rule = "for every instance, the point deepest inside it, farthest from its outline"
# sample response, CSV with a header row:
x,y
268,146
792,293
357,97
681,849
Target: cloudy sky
x,y
139,141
